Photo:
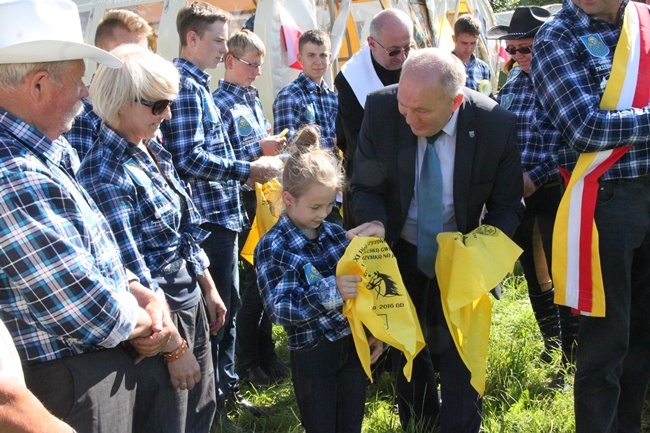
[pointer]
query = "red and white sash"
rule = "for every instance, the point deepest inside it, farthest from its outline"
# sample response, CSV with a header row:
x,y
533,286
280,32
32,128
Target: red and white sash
x,y
576,260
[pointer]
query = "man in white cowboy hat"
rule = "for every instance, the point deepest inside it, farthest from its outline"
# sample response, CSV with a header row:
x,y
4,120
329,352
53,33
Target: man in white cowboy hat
x,y
592,79
64,295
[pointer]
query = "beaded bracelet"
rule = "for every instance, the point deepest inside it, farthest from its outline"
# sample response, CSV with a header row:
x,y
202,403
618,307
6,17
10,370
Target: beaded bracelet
x,y
176,354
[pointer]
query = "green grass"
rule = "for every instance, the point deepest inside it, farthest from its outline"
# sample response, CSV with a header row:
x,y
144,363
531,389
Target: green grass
x,y
518,397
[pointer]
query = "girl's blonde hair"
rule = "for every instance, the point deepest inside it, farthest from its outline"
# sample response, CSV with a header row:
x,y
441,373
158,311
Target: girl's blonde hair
x,y
308,164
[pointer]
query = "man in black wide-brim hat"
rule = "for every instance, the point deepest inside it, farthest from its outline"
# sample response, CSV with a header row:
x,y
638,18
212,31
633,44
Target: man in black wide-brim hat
x,y
542,186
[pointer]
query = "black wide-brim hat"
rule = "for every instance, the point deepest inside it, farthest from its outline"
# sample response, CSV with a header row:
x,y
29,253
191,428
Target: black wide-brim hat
x,y
525,22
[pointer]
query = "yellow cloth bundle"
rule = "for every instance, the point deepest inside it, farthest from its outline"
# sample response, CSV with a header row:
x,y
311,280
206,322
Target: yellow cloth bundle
x,y
269,202
383,305
467,268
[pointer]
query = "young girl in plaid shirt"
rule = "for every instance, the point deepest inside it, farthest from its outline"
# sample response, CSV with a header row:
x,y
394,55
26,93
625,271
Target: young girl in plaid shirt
x,y
296,265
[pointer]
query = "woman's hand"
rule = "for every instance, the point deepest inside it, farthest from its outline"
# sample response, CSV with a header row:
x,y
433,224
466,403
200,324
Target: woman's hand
x,y
216,311
185,372
215,306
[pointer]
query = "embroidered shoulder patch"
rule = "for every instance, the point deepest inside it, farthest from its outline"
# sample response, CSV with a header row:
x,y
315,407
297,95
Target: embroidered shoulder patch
x,y
595,45
506,101
244,127
310,113
312,274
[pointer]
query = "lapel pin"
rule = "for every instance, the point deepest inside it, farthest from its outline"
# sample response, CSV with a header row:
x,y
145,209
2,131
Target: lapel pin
x,y
471,134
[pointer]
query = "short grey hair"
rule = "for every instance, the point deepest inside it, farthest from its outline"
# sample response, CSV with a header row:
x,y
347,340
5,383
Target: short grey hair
x,y
13,74
437,67
389,17
145,75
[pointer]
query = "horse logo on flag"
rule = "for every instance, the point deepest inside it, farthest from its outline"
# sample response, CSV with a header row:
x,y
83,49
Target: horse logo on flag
x,y
383,285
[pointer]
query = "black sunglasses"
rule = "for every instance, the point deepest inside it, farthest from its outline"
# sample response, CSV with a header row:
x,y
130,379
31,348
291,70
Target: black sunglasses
x,y
523,50
157,107
393,53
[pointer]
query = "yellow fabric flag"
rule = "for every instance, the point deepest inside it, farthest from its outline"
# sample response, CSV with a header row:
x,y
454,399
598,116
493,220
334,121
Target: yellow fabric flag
x,y
467,268
383,305
269,202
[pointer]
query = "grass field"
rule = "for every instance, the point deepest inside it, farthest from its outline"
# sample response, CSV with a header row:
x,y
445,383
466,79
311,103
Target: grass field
x,y
518,397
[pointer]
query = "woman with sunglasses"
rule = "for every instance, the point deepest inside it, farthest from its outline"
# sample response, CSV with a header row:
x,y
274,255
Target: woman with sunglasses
x,y
130,176
542,186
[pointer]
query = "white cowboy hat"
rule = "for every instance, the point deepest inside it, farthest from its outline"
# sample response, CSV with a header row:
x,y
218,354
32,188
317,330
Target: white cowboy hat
x,y
34,31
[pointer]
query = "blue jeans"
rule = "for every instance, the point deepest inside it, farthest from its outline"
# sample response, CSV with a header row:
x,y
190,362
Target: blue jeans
x,y
613,357
255,345
330,386
221,249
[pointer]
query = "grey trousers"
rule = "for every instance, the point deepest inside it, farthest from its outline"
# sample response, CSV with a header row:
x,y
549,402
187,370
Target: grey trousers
x,y
93,392
162,409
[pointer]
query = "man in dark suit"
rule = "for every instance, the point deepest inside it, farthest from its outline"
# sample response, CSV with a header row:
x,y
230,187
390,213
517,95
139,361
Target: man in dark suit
x,y
479,182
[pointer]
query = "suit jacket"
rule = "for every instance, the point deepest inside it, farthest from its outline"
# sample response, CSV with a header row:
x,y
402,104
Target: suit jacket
x,y
487,168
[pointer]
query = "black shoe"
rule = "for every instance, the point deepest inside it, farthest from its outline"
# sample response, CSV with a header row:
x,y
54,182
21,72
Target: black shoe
x,y
277,370
236,401
223,424
257,377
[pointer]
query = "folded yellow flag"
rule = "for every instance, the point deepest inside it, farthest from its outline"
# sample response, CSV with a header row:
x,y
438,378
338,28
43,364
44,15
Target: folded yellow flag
x,y
269,202
383,305
467,268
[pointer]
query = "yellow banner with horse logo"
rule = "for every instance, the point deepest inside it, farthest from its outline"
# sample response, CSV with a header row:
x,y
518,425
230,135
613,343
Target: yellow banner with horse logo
x,y
383,305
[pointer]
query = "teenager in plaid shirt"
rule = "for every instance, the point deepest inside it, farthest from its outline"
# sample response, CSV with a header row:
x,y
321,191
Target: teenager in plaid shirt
x,y
248,131
308,99
467,30
206,161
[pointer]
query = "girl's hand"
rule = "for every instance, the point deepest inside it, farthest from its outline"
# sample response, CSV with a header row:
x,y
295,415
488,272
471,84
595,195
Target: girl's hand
x,y
347,285
376,348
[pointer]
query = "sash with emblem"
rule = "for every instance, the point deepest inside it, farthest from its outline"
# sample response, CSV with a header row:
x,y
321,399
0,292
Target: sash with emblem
x,y
576,260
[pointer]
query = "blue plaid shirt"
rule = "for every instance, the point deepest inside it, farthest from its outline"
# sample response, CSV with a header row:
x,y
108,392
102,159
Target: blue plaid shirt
x,y
571,65
477,70
152,216
517,95
85,130
202,153
242,118
63,289
302,102
296,277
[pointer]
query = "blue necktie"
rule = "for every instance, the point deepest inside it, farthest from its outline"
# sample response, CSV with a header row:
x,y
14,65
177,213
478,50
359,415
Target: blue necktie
x,y
429,208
